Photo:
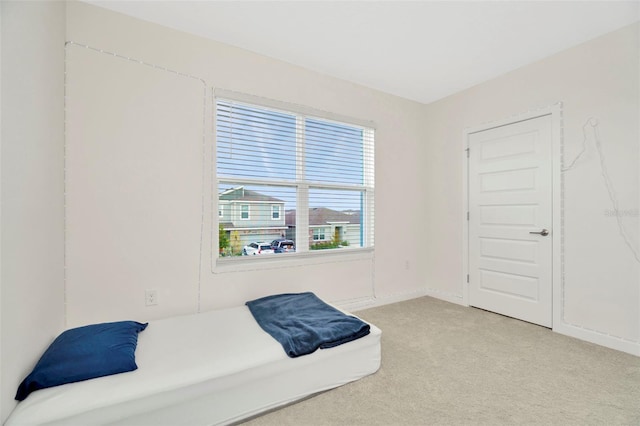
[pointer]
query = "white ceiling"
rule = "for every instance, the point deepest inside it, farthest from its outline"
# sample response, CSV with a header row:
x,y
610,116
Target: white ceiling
x,y
420,50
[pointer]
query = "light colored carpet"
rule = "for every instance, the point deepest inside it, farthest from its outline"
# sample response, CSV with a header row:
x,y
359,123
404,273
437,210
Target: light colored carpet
x,y
444,364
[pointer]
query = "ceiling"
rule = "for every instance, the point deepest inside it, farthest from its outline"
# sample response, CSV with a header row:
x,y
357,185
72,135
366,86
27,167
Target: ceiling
x,y
419,50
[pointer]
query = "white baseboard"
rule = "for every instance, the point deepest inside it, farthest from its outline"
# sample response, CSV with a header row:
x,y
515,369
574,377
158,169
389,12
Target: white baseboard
x,y
386,299
354,305
570,330
381,300
447,297
598,338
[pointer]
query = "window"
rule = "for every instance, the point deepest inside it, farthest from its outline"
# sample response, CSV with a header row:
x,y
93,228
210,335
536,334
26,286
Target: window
x,y
304,175
275,212
244,212
318,234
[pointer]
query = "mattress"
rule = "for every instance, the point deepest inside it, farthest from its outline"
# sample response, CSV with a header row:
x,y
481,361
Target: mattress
x,y
210,368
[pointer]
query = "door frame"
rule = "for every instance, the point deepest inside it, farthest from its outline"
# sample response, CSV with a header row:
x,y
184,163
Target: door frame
x,y
557,225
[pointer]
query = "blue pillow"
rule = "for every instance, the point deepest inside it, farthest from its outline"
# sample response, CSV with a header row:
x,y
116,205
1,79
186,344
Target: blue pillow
x,y
85,353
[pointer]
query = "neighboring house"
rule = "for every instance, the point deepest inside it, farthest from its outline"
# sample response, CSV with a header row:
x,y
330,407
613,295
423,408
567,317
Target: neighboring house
x,y
247,216
328,225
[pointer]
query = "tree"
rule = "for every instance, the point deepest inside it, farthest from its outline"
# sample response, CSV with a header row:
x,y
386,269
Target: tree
x,y
223,240
236,244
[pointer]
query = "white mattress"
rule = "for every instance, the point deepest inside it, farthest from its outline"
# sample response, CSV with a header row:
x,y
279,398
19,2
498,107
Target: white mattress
x,y
205,369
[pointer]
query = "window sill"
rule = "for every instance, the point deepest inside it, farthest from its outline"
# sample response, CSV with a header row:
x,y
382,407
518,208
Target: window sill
x,y
282,261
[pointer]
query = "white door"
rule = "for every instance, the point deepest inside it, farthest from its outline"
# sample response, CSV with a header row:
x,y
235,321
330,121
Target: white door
x,y
510,217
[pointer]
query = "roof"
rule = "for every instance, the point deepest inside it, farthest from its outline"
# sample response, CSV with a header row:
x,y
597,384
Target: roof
x,y
325,216
241,194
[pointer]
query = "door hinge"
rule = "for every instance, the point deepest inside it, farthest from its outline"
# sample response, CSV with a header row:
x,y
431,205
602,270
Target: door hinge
x,y
467,215
467,278
467,152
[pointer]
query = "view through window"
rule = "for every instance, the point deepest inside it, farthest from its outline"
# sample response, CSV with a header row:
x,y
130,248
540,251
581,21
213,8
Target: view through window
x,y
291,183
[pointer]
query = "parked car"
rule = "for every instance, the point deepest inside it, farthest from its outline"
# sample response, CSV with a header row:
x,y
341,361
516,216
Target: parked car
x,y
257,248
282,245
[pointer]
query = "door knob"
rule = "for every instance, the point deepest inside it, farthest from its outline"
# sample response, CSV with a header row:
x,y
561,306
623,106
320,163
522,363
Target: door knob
x,y
544,232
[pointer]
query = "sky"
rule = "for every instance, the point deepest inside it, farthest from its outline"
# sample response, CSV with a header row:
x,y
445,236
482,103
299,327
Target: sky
x,y
257,143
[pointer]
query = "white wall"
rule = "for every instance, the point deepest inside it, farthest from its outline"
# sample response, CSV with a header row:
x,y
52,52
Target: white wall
x,y
599,79
134,185
418,158
108,282
32,187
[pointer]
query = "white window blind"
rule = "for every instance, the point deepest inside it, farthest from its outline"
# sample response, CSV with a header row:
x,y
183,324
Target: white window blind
x,y
318,172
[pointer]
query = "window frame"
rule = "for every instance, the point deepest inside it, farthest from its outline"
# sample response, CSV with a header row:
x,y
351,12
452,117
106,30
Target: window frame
x,y
320,232
279,212
302,186
248,206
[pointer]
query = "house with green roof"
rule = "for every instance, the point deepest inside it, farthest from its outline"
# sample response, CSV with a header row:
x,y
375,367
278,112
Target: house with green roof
x,y
249,216
327,225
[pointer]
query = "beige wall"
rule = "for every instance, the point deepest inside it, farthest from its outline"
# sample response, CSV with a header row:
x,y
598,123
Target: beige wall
x,y
599,79
418,161
32,187
106,283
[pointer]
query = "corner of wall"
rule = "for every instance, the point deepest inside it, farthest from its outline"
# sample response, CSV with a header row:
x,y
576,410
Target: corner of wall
x,y
2,415
32,157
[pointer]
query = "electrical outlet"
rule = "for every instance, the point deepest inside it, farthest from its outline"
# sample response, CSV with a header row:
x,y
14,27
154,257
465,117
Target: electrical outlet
x,y
151,297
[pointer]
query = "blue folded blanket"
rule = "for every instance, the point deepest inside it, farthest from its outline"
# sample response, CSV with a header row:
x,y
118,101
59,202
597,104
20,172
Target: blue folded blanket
x,y
303,323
